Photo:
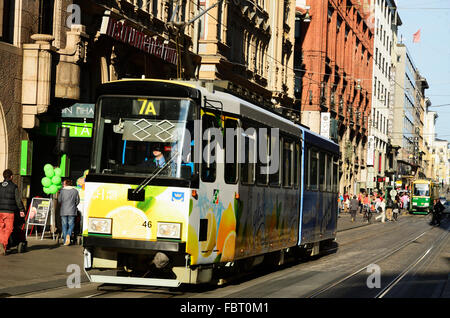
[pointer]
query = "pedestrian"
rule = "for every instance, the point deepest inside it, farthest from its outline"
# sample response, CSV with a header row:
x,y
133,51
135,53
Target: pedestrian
x,y
395,209
354,205
437,210
10,203
339,200
346,204
389,208
69,198
381,207
366,202
405,200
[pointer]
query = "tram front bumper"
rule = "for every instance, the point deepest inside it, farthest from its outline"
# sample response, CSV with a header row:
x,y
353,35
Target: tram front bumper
x,y
133,245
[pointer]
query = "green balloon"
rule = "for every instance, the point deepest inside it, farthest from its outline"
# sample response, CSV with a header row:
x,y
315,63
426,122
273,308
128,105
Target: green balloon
x,y
49,173
56,180
48,167
59,186
53,189
47,190
58,172
46,182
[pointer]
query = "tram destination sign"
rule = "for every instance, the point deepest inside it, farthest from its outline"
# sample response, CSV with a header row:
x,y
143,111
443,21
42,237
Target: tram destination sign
x,y
126,33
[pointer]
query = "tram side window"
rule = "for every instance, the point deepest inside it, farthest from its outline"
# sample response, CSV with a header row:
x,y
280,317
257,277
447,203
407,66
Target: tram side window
x,y
209,152
231,155
336,175
274,178
329,176
249,156
313,170
261,177
322,171
297,165
287,163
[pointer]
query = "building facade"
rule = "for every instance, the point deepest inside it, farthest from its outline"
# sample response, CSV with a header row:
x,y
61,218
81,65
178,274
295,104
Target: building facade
x,y
54,53
441,161
381,164
334,55
429,134
57,52
250,44
409,109
18,21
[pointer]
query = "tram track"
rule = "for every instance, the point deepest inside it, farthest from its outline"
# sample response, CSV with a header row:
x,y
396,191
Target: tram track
x,y
398,278
436,246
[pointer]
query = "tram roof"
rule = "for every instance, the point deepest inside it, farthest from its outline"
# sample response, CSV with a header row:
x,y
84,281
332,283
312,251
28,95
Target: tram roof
x,y
136,86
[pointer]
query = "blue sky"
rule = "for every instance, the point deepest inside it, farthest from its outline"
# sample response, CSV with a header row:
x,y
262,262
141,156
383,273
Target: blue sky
x,y
432,54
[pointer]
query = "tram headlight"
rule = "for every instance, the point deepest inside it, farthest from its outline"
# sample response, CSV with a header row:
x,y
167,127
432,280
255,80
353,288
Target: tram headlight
x,y
169,230
99,225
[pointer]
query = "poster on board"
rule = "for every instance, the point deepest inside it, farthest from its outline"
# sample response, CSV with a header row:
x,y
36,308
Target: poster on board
x,y
40,207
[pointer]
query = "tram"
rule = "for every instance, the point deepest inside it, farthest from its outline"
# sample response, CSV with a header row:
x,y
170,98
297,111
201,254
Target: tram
x,y
188,181
423,194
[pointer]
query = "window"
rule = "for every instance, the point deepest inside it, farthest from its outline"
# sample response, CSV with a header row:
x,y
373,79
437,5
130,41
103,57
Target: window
x,y
249,156
209,148
322,171
46,16
231,155
312,171
274,178
7,21
329,163
336,175
297,165
263,150
288,160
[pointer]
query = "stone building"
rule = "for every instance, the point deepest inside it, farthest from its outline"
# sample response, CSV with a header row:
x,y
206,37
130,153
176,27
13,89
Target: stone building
x,y
381,164
250,43
53,55
18,21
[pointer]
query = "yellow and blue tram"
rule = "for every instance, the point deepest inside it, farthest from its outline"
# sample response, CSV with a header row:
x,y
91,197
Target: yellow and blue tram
x,y
238,184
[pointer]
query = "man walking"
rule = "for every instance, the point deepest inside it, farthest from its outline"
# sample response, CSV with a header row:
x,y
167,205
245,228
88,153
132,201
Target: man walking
x,y
69,199
10,203
354,205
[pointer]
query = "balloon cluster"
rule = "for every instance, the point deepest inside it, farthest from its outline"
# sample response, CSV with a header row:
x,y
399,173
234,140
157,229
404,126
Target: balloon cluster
x,y
52,180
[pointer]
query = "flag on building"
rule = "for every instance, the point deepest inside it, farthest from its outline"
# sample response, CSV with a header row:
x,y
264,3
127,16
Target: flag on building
x,y
416,37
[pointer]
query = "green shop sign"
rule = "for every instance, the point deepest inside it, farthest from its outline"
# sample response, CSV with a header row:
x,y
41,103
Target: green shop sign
x,y
79,130
83,130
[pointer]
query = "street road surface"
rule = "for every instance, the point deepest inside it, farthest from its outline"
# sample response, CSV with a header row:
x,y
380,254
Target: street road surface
x,y
407,259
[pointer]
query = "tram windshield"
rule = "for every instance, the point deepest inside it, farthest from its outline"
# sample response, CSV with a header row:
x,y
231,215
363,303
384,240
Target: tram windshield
x,y
421,189
144,136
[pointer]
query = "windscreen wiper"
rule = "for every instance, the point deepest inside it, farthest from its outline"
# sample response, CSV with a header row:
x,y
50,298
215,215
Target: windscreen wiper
x,y
149,179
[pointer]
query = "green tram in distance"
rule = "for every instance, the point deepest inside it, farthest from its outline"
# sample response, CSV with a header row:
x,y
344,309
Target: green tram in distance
x,y
423,193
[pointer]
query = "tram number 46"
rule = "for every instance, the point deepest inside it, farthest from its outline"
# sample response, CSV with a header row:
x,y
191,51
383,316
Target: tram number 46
x,y
147,224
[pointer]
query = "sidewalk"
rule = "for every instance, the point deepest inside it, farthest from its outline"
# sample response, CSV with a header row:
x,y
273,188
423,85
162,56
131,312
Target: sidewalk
x,y
43,266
